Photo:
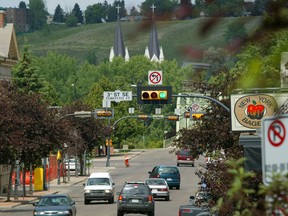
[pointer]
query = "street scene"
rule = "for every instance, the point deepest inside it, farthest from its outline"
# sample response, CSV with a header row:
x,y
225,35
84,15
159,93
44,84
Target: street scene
x,y
145,107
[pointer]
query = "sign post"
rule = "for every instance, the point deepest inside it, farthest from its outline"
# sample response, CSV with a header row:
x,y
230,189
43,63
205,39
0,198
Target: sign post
x,y
274,147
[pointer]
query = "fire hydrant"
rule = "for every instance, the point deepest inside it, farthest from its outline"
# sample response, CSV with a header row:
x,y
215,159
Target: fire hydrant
x,y
126,160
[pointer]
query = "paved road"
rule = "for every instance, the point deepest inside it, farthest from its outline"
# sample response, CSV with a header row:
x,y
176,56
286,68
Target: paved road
x,y
140,164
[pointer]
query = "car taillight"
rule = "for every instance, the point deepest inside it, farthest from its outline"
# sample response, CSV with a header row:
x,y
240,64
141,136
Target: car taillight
x,y
150,198
162,189
120,198
158,176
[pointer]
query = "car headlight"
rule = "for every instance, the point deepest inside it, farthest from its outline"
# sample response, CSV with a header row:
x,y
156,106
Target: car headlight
x,y
64,212
39,212
108,191
86,191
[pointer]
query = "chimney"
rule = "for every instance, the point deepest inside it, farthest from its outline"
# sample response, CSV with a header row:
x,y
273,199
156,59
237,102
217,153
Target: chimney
x,y
2,18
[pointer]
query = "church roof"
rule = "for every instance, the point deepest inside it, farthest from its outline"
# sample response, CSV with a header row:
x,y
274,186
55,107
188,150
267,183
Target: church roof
x,y
119,49
153,46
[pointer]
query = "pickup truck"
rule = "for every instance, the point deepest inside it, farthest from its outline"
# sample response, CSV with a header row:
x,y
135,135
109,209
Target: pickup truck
x,y
193,210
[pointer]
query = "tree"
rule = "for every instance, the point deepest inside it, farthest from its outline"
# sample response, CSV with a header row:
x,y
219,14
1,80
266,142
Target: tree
x,y
58,15
163,11
25,74
38,14
78,14
134,12
71,21
94,13
22,4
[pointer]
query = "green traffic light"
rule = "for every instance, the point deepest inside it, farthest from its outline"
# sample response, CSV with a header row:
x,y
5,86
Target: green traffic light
x,y
162,95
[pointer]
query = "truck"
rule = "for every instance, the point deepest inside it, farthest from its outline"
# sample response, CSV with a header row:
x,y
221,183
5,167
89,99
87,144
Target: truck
x,y
193,210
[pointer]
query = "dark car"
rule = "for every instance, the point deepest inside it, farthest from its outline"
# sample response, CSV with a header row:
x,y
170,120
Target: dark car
x,y
185,157
55,204
135,198
170,173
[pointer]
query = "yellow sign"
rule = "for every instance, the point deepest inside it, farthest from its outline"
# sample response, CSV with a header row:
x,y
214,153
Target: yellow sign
x,y
58,155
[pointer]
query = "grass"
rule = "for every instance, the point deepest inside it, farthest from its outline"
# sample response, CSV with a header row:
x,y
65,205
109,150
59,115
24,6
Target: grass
x,y
99,38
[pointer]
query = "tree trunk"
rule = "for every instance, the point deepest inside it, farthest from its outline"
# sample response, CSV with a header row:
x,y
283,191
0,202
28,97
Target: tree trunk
x,y
10,182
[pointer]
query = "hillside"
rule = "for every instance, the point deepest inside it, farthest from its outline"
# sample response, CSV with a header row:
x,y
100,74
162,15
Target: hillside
x,y
99,38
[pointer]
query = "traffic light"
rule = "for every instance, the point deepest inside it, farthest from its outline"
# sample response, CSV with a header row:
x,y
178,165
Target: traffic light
x,y
173,118
194,116
154,94
110,142
104,113
143,117
197,116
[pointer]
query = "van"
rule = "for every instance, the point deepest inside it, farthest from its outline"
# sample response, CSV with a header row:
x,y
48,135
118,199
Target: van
x,y
99,186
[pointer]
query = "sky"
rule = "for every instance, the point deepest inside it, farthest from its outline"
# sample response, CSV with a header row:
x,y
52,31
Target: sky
x,y
67,5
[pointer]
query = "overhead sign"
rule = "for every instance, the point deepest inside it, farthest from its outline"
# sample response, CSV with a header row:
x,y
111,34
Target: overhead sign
x,y
155,78
118,96
274,147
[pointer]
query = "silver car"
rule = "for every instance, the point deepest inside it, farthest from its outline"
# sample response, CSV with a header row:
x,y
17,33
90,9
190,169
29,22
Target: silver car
x,y
159,188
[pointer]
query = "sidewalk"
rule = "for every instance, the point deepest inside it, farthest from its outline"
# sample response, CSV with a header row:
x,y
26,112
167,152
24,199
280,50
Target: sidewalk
x,y
54,187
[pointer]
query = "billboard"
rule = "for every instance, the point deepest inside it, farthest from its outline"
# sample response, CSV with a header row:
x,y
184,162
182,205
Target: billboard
x,y
247,110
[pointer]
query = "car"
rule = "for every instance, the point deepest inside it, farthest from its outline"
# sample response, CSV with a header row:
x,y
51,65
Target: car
x,y
135,198
202,196
195,210
159,188
185,157
56,205
171,174
99,186
71,164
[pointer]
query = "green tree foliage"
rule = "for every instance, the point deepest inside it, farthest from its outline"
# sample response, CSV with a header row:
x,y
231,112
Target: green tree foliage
x,y
22,4
25,74
164,8
236,33
134,12
38,14
78,13
71,20
94,13
59,15
221,7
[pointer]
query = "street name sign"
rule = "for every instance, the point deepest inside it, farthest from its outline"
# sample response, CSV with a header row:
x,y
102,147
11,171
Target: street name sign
x,y
118,96
274,147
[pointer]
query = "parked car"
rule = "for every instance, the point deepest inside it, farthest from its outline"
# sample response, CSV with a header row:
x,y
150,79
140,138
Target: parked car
x,y
159,188
99,186
55,204
193,210
185,157
171,174
71,163
135,198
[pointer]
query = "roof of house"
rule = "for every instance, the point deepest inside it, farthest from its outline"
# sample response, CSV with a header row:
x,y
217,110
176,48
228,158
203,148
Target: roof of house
x,y
8,44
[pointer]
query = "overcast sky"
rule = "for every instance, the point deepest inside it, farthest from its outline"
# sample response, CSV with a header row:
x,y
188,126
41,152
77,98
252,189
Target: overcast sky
x,y
67,5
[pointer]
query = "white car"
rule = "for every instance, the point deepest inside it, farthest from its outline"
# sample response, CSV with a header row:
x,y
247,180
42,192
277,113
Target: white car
x,y
159,188
71,163
99,186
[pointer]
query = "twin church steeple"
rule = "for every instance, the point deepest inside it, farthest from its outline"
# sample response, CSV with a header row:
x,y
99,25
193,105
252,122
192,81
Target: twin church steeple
x,y
153,51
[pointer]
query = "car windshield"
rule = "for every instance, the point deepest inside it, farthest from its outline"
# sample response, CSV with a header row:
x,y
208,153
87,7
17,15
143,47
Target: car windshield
x,y
98,181
184,153
155,182
53,201
168,170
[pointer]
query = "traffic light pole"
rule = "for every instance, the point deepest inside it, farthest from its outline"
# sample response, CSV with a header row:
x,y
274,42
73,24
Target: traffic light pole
x,y
108,145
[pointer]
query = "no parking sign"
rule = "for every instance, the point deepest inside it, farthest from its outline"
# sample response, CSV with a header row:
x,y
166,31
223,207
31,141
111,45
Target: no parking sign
x,y
274,147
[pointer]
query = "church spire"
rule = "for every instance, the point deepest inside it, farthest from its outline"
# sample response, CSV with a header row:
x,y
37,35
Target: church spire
x,y
118,48
153,51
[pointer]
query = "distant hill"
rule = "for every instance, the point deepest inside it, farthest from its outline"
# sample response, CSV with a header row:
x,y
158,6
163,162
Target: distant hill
x,y
78,42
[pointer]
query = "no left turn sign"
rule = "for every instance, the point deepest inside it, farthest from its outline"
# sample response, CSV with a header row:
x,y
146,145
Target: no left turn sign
x,y
155,78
